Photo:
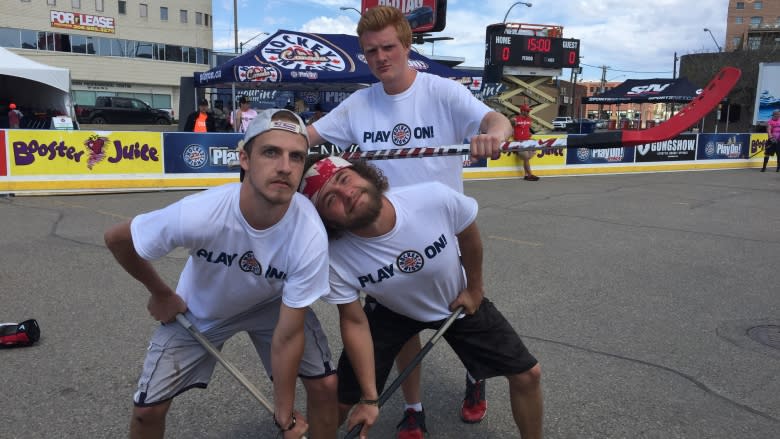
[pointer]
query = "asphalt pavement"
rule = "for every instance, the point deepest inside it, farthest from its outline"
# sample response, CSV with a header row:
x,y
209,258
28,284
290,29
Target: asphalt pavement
x,y
638,294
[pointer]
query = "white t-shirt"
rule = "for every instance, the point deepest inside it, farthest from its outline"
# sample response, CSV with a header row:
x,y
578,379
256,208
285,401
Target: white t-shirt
x,y
415,268
433,112
232,266
246,118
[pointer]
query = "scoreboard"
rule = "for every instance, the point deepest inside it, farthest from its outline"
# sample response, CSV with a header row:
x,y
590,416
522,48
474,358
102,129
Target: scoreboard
x,y
507,46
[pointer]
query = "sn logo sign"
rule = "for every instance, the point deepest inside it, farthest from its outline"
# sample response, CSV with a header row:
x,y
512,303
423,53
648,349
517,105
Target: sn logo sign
x,y
648,89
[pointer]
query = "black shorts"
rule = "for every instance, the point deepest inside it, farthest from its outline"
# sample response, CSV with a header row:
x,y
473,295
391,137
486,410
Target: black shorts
x,y
485,342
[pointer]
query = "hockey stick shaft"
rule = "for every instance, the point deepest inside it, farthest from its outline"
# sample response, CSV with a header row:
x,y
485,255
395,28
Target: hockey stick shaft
x,y
710,97
197,335
409,368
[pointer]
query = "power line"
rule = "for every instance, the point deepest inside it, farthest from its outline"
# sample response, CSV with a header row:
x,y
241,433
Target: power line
x,y
623,71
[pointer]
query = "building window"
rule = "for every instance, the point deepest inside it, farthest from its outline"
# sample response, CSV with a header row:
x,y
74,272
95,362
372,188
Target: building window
x,y
198,18
754,43
758,5
206,19
735,42
122,7
740,5
143,10
163,13
99,5
183,15
76,4
51,2
738,20
777,22
755,21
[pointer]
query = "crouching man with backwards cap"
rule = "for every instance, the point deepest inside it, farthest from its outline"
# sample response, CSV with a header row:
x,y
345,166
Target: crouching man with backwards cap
x,y
258,259
402,250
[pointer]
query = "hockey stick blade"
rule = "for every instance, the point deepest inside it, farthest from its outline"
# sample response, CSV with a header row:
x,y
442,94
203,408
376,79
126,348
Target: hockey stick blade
x,y
711,95
355,431
211,349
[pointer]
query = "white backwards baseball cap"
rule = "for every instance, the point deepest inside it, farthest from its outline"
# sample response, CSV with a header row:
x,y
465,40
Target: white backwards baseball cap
x,y
265,122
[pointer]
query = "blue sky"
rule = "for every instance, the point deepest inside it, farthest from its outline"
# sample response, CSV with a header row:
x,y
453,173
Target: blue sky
x,y
634,38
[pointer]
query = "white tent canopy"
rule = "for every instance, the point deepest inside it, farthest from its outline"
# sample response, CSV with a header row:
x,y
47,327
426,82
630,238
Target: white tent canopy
x,y
33,85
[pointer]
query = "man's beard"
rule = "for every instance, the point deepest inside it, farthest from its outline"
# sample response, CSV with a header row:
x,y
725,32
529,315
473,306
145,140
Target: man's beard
x,y
370,211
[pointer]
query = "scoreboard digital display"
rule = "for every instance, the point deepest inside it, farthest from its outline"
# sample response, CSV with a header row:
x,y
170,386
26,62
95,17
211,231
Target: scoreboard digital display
x,y
508,47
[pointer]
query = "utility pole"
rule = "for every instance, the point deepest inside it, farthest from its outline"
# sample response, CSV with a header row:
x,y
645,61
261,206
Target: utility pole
x,y
235,25
674,69
602,88
573,79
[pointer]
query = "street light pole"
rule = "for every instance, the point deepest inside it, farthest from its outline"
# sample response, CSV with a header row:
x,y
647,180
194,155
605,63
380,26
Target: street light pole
x,y
241,46
713,39
235,25
346,8
513,5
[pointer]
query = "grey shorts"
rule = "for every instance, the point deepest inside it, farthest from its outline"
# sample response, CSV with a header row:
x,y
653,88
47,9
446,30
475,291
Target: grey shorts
x,y
176,362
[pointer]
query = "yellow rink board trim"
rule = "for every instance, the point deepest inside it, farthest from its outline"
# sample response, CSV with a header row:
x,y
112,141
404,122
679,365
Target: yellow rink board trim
x,y
611,169
86,185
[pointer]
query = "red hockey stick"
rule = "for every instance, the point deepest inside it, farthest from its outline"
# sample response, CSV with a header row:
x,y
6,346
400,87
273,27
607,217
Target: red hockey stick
x,y
710,97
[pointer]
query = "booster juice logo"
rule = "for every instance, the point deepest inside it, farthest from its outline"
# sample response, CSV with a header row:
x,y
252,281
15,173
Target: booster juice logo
x,y
97,148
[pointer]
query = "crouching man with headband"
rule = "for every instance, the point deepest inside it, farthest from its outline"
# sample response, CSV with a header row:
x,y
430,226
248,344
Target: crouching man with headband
x,y
400,246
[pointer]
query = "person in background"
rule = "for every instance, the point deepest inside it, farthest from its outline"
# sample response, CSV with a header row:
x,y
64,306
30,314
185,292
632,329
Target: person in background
x,y
202,120
241,118
14,116
220,117
773,140
317,115
522,131
407,108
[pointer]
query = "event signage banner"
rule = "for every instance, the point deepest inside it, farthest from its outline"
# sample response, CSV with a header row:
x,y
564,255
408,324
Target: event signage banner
x,y
3,166
680,148
587,156
757,144
55,152
187,153
541,157
723,146
86,22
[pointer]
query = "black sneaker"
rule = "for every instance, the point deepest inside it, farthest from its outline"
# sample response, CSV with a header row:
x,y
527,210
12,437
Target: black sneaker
x,y
412,426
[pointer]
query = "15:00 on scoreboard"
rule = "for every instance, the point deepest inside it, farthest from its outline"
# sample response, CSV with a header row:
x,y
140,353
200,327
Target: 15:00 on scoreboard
x,y
534,51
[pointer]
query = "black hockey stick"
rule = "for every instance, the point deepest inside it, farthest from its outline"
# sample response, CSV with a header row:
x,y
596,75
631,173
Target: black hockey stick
x,y
408,370
197,335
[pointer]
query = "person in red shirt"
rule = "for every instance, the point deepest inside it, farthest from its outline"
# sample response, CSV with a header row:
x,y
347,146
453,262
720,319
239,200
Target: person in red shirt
x,y
14,116
522,131
201,121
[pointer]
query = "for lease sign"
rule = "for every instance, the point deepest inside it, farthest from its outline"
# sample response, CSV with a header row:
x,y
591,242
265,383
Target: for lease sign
x,y
73,20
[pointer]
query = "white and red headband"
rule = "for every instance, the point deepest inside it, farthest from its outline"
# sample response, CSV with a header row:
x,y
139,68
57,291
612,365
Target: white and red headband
x,y
319,174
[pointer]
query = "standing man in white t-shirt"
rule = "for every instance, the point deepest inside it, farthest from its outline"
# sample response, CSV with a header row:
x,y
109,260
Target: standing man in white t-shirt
x,y
258,259
401,248
411,109
241,118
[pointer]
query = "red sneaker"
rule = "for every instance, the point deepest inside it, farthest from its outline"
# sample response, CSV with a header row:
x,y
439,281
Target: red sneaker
x,y
474,404
412,426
